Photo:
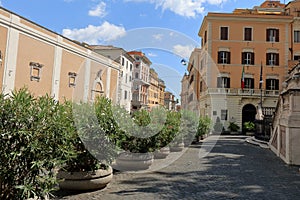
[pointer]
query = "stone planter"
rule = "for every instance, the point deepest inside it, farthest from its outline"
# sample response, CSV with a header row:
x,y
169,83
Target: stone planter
x,y
91,180
134,161
248,133
162,153
177,147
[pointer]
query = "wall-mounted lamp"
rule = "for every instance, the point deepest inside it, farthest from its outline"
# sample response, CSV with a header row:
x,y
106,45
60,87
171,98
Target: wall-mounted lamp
x,y
35,71
72,79
183,62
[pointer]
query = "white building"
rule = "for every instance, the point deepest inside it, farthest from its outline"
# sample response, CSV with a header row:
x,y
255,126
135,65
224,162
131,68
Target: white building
x,y
141,80
126,67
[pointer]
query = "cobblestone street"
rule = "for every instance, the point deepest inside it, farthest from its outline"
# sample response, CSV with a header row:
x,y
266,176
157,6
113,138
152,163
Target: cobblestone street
x,y
233,169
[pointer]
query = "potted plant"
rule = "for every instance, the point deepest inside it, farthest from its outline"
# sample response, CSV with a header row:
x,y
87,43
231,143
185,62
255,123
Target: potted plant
x,y
35,140
136,142
189,123
249,127
89,169
233,127
203,127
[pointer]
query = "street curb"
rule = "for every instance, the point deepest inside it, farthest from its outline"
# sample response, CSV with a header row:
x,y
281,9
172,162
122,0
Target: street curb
x,y
254,141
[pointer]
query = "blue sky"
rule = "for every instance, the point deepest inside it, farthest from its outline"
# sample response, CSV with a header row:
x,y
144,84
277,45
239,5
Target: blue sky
x,y
165,30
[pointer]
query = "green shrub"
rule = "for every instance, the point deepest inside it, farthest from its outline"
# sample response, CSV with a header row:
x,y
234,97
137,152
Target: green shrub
x,y
188,125
233,127
92,143
249,126
35,139
203,126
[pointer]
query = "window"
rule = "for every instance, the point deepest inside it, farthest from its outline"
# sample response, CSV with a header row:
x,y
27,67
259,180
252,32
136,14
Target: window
x,y
223,57
272,59
223,82
126,64
297,36
130,67
72,79
130,78
205,37
224,114
201,86
272,35
123,61
248,34
35,71
126,78
137,65
191,79
296,57
224,33
125,94
272,84
247,58
249,83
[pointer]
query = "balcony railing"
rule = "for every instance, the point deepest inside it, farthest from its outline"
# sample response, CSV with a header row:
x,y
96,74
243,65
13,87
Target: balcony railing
x,y
240,92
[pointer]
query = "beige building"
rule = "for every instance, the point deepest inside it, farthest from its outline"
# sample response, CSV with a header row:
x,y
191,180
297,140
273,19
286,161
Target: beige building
x,y
161,97
46,62
184,92
285,135
170,102
141,80
154,90
239,46
125,61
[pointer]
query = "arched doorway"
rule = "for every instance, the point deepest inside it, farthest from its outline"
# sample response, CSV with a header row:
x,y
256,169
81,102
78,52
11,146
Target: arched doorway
x,y
248,114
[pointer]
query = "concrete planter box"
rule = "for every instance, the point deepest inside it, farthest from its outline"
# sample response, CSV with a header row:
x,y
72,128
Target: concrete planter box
x,y
177,147
91,180
162,153
134,161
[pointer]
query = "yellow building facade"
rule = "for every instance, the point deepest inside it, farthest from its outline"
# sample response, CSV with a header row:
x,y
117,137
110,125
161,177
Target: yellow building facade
x,y
48,63
153,97
244,57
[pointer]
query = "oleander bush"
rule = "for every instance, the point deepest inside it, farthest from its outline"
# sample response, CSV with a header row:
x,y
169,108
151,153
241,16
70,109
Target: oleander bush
x,y
35,139
94,124
188,126
204,125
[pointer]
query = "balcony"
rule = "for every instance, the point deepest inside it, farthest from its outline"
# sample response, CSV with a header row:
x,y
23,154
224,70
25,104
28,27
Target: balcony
x,y
141,82
240,92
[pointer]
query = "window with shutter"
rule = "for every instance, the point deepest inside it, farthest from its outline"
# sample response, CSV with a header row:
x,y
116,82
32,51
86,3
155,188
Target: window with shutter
x,y
272,84
272,35
224,33
272,59
248,34
248,58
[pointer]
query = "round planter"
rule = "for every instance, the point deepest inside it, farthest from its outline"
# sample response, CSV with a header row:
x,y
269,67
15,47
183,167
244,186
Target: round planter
x,y
162,153
134,161
177,147
91,180
250,133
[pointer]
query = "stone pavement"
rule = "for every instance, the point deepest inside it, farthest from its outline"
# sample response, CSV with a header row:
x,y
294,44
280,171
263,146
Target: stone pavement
x,y
232,169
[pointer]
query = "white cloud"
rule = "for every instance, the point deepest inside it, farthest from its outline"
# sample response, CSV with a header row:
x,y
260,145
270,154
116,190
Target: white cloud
x,y
186,8
99,10
183,51
95,34
158,36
